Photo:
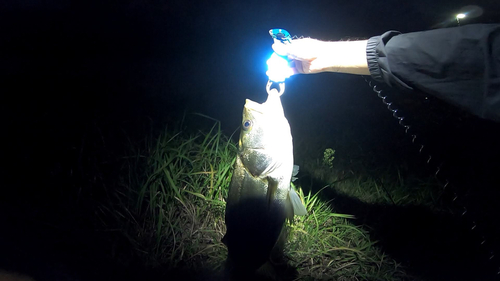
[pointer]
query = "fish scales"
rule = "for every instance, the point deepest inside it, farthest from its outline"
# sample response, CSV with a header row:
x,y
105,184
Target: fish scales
x,y
259,202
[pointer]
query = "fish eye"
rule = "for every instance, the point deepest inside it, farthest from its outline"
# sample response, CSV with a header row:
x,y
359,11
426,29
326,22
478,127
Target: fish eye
x,y
247,124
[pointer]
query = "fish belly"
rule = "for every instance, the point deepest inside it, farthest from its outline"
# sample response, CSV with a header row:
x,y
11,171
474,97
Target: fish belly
x,y
253,223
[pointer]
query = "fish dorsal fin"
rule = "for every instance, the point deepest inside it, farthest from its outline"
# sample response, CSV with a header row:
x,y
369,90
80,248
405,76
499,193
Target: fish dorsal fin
x,y
298,208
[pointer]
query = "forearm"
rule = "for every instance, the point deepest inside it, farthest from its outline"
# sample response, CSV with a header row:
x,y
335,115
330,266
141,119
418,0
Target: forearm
x,y
315,56
459,65
344,57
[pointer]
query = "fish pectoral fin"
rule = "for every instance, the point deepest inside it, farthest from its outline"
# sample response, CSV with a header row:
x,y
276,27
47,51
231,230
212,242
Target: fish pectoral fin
x,y
272,187
295,172
298,208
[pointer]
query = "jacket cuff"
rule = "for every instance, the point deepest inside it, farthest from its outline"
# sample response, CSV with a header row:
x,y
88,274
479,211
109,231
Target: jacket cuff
x,y
378,62
372,58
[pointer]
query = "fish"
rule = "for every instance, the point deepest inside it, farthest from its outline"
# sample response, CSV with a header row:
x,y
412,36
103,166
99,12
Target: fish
x,y
260,196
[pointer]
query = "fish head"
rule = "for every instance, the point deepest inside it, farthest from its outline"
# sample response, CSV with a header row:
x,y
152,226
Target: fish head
x,y
264,125
265,138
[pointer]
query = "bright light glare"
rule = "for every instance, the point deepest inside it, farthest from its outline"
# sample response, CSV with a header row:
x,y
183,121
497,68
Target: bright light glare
x,y
461,16
278,68
471,11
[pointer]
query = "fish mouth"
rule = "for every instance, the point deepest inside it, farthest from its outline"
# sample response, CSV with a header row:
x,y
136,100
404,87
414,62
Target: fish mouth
x,y
254,106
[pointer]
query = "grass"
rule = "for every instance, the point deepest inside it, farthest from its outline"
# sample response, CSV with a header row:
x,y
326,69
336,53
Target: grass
x,y
171,209
173,200
324,245
382,185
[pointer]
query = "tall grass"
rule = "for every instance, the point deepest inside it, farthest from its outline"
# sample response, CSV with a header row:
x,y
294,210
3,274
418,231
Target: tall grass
x,y
171,209
325,246
175,197
383,185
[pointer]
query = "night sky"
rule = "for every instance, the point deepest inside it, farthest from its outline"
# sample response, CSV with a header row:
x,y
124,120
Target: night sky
x,y
77,74
123,60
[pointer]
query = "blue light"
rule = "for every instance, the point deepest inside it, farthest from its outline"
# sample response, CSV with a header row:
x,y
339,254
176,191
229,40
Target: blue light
x,y
278,68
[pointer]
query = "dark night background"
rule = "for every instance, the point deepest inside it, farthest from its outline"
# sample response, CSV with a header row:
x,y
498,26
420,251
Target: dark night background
x,y
80,80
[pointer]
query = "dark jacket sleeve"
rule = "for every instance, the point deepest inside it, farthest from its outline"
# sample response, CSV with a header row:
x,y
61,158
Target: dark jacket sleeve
x,y
460,65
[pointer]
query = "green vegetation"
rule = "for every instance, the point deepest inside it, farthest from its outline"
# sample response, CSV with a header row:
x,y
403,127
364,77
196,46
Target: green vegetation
x,y
385,185
324,245
387,189
173,201
171,208
328,157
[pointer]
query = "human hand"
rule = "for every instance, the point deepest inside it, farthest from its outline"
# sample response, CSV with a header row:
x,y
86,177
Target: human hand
x,y
307,55
314,56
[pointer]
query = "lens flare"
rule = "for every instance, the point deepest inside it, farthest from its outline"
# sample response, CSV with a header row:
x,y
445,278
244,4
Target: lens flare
x,y
278,68
471,11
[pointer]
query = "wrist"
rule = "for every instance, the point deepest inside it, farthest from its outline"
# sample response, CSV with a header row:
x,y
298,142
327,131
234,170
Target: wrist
x,y
343,57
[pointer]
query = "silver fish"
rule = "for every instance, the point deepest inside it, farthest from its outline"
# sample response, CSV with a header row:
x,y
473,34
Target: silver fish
x,y
260,196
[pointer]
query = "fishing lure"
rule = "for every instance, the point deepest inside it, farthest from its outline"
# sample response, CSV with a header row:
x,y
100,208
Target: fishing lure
x,y
281,35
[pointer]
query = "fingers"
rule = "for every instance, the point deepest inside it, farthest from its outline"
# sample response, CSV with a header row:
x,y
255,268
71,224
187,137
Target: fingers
x,y
299,49
302,67
302,53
